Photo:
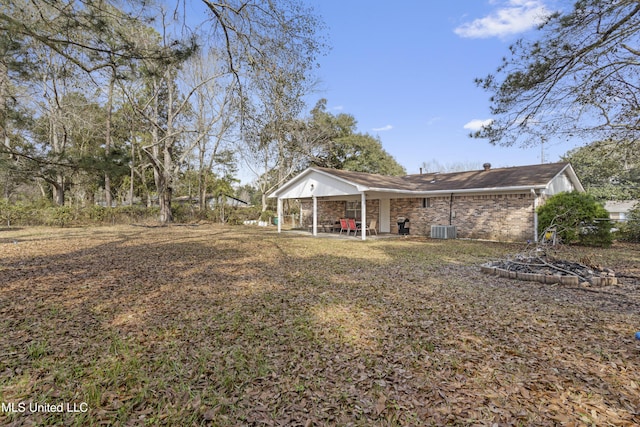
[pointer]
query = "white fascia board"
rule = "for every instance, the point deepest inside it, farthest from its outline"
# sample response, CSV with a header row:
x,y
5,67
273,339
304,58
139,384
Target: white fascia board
x,y
393,193
573,177
289,183
465,191
360,187
314,182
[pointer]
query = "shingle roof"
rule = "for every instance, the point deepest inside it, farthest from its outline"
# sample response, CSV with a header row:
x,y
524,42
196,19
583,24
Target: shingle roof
x,y
370,179
519,176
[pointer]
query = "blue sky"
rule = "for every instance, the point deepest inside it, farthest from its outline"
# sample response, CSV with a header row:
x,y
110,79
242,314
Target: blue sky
x,y
406,70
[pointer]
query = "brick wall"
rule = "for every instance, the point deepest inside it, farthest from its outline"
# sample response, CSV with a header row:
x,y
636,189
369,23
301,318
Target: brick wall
x,y
328,211
506,217
331,210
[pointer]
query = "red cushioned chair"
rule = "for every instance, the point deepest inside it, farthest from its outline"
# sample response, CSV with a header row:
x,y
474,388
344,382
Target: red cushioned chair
x,y
344,226
353,226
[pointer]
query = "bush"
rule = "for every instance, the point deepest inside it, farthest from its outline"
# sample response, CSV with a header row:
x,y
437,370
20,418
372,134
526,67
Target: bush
x,y
44,213
267,215
577,217
59,216
630,230
19,214
183,212
238,215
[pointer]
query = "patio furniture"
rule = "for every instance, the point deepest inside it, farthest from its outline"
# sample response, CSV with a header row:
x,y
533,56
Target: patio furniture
x,y
371,227
403,225
354,226
344,226
328,227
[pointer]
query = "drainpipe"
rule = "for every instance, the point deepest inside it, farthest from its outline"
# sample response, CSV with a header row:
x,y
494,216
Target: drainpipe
x,y
451,209
535,215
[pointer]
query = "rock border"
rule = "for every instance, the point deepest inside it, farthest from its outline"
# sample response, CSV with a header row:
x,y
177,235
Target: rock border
x,y
546,278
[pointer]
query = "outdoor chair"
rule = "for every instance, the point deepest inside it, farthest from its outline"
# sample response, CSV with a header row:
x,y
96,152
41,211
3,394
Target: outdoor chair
x,y
353,226
344,226
371,227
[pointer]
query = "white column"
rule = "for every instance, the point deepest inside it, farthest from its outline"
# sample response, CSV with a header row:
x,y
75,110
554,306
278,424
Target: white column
x,y
315,216
363,225
535,215
279,215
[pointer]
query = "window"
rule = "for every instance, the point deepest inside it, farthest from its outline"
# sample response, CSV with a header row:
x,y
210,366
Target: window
x,y
426,202
354,210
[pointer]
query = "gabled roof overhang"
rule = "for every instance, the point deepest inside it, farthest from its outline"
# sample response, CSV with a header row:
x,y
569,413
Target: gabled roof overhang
x,y
319,183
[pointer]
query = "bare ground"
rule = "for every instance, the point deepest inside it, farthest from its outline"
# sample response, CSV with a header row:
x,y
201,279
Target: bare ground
x,y
212,325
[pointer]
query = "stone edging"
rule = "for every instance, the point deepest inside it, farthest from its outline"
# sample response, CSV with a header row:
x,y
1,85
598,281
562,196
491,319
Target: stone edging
x,y
546,278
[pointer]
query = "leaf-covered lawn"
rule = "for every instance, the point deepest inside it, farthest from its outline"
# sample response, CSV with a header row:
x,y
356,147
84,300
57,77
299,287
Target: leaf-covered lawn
x,y
213,325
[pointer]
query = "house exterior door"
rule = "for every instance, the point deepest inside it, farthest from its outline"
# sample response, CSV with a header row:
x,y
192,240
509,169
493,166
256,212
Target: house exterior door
x,y
385,216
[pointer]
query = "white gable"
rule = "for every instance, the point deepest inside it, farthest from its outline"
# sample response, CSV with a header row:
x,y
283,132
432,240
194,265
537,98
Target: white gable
x,y
314,183
564,181
560,184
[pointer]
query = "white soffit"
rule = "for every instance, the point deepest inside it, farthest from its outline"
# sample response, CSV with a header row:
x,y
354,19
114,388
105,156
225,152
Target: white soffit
x,y
317,184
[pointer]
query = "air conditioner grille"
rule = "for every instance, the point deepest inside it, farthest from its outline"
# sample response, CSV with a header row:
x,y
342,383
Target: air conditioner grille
x,y
443,231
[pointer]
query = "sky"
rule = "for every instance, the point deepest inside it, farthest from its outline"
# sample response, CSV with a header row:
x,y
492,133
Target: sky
x,y
405,71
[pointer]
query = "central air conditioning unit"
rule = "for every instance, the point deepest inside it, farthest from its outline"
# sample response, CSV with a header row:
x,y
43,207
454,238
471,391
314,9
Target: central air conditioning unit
x,y
443,231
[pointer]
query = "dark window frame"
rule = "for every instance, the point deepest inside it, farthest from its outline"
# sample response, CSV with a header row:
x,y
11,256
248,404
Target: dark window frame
x,y
353,210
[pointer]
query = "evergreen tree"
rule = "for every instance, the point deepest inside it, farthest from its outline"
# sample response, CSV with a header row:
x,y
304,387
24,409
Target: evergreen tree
x,y
578,79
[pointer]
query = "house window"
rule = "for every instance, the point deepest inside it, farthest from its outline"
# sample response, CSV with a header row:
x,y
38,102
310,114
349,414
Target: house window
x,y
426,202
354,210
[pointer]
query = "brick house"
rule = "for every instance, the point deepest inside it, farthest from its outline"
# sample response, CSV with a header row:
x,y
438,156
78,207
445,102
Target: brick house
x,y
493,204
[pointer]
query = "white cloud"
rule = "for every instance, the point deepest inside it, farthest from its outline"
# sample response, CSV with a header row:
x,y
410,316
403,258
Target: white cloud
x,y
338,108
477,124
515,16
433,120
382,129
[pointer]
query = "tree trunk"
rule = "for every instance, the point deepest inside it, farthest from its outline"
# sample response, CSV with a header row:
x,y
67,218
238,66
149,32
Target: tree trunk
x,y
58,190
133,167
107,144
163,187
202,182
203,194
165,205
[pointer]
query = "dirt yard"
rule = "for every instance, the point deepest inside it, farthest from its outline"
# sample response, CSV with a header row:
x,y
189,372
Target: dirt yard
x,y
213,325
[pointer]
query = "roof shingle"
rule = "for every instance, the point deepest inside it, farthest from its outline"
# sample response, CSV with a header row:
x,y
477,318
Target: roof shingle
x,y
533,175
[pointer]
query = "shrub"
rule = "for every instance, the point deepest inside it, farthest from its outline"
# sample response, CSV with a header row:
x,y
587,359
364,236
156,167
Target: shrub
x,y
577,217
59,216
183,212
267,215
630,230
237,215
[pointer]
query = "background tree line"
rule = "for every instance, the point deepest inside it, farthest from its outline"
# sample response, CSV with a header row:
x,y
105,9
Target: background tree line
x,y
116,102
122,101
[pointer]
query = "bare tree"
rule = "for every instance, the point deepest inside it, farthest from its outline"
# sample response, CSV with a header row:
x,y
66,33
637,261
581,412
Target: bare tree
x,y
215,110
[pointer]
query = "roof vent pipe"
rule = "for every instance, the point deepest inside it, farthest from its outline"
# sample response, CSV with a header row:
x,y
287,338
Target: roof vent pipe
x,y
486,166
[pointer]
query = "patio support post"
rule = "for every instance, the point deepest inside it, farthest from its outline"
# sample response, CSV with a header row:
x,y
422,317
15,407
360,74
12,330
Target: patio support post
x,y
279,215
535,215
315,216
363,223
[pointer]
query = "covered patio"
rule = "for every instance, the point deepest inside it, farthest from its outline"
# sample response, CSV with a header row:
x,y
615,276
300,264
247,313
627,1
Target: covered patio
x,y
317,186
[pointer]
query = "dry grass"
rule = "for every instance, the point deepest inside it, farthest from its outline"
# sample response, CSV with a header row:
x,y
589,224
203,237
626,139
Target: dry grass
x,y
224,326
